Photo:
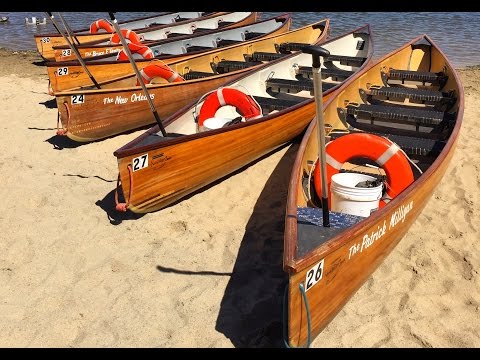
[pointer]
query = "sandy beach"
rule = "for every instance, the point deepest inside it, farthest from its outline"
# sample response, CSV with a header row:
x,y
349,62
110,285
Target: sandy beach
x,y
206,272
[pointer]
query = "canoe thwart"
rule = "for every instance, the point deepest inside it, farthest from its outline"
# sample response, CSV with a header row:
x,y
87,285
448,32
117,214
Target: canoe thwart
x,y
263,56
288,47
396,114
413,146
345,60
249,35
335,74
196,75
294,86
425,78
225,66
270,104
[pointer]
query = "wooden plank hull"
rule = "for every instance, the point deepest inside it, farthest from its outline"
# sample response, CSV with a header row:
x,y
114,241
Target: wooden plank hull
x,y
346,258
116,107
46,42
169,175
68,75
97,48
108,113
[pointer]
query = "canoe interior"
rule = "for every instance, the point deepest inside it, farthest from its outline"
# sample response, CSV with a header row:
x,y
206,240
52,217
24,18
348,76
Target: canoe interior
x,y
104,50
413,97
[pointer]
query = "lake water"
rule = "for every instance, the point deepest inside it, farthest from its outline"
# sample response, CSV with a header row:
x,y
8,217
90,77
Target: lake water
x,y
456,33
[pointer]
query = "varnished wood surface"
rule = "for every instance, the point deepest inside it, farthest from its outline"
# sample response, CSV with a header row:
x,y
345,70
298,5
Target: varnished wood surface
x,y
345,270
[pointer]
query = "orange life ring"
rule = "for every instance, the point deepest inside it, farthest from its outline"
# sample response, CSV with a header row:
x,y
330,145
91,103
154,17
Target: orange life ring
x,y
143,50
129,35
384,152
101,24
228,96
164,71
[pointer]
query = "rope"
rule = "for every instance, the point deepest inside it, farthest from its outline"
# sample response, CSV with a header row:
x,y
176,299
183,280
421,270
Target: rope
x,y
302,290
62,132
124,206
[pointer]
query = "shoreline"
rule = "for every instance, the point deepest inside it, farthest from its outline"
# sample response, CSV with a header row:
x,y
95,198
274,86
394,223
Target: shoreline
x,y
207,271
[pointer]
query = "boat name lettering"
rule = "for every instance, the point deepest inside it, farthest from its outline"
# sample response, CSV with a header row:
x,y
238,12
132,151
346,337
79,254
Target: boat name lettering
x,y
368,240
120,100
97,53
400,214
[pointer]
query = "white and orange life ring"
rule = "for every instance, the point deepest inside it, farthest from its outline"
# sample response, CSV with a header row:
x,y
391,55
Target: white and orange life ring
x,y
228,96
164,71
143,50
129,35
384,152
101,24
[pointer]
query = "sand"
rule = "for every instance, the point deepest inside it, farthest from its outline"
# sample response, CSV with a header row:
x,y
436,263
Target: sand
x,y
206,272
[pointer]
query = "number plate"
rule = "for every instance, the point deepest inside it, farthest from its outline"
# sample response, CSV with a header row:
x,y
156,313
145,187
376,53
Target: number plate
x,y
314,275
78,99
62,71
140,162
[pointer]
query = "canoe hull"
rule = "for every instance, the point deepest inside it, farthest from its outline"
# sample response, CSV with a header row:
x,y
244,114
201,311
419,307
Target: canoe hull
x,y
169,175
343,260
238,147
344,271
106,113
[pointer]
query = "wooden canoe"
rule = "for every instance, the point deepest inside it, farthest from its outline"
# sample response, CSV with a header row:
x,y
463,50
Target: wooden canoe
x,y
414,98
64,75
46,41
120,105
155,171
156,36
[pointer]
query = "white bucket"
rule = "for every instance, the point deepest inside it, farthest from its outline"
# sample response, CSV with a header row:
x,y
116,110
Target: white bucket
x,y
348,199
214,123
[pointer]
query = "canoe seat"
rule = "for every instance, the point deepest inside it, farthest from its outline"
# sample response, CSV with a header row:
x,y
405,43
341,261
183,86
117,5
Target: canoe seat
x,y
397,114
199,30
294,86
175,34
196,75
423,96
226,42
225,66
395,76
222,24
179,18
195,48
249,35
346,60
335,74
270,104
288,47
413,146
263,56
